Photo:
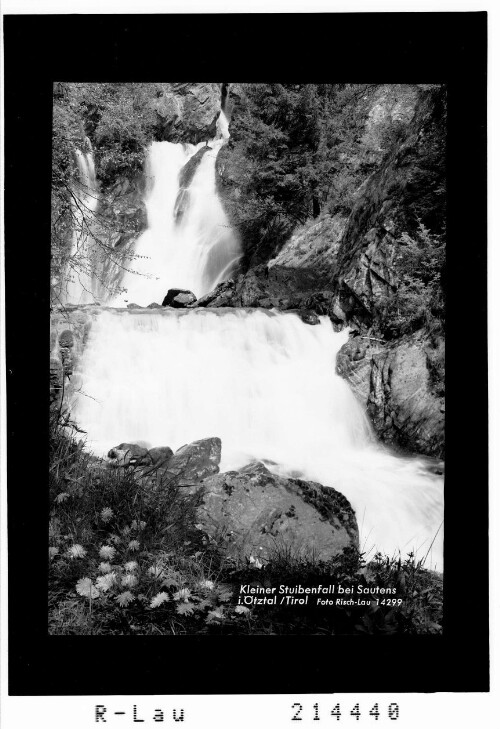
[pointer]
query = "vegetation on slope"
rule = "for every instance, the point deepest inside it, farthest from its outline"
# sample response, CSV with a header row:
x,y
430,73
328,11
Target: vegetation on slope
x,y
296,150
124,559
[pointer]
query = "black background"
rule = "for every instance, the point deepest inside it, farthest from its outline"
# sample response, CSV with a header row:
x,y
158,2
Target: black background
x,y
445,48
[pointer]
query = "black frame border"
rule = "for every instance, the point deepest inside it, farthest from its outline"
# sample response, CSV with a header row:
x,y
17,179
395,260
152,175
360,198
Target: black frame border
x,y
447,48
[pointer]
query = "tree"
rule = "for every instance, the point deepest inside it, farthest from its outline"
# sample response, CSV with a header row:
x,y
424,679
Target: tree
x,y
295,151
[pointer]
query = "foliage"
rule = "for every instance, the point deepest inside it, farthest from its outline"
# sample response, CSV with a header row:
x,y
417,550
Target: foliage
x,y
418,300
128,558
116,122
295,150
120,121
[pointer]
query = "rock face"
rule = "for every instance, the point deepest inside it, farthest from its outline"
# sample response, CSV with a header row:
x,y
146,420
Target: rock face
x,y
350,264
392,104
187,112
56,381
272,287
123,211
409,186
401,385
179,298
68,335
313,246
186,176
259,514
222,295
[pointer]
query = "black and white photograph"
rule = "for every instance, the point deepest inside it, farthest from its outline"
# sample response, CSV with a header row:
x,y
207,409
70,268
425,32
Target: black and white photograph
x,y
247,358
246,353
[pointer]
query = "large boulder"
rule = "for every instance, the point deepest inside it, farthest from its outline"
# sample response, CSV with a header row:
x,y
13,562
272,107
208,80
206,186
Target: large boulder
x,y
179,298
194,462
401,384
259,514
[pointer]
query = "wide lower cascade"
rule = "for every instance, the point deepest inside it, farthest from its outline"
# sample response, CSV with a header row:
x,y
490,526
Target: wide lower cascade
x,y
265,383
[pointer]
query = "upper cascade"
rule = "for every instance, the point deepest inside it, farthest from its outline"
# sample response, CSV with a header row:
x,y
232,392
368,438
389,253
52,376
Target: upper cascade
x,y
194,250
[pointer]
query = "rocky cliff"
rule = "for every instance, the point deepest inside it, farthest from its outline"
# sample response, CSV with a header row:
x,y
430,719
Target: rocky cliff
x,y
346,265
409,187
401,385
401,382
187,112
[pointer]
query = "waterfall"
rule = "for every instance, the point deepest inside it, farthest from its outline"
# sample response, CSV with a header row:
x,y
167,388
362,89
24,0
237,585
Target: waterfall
x,y
265,383
195,250
262,381
81,285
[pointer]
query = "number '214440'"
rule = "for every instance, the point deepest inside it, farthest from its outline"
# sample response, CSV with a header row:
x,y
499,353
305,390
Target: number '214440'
x,y
376,712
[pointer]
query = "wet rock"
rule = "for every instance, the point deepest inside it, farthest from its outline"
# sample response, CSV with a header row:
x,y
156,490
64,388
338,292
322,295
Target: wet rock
x,y
222,295
179,298
69,330
309,317
56,380
189,170
186,176
262,514
161,455
66,338
195,461
134,306
129,454
154,305
401,387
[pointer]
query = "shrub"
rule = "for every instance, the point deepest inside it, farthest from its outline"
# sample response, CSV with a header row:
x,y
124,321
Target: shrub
x,y
418,299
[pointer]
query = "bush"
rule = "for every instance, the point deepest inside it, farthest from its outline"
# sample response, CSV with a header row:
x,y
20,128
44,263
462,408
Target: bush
x,y
418,299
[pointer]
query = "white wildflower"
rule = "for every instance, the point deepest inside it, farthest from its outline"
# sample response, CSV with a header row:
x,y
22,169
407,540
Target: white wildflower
x,y
107,552
77,551
159,599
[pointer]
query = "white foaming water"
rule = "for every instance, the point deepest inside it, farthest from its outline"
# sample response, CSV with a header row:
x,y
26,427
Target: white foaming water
x,y
265,383
81,285
194,252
